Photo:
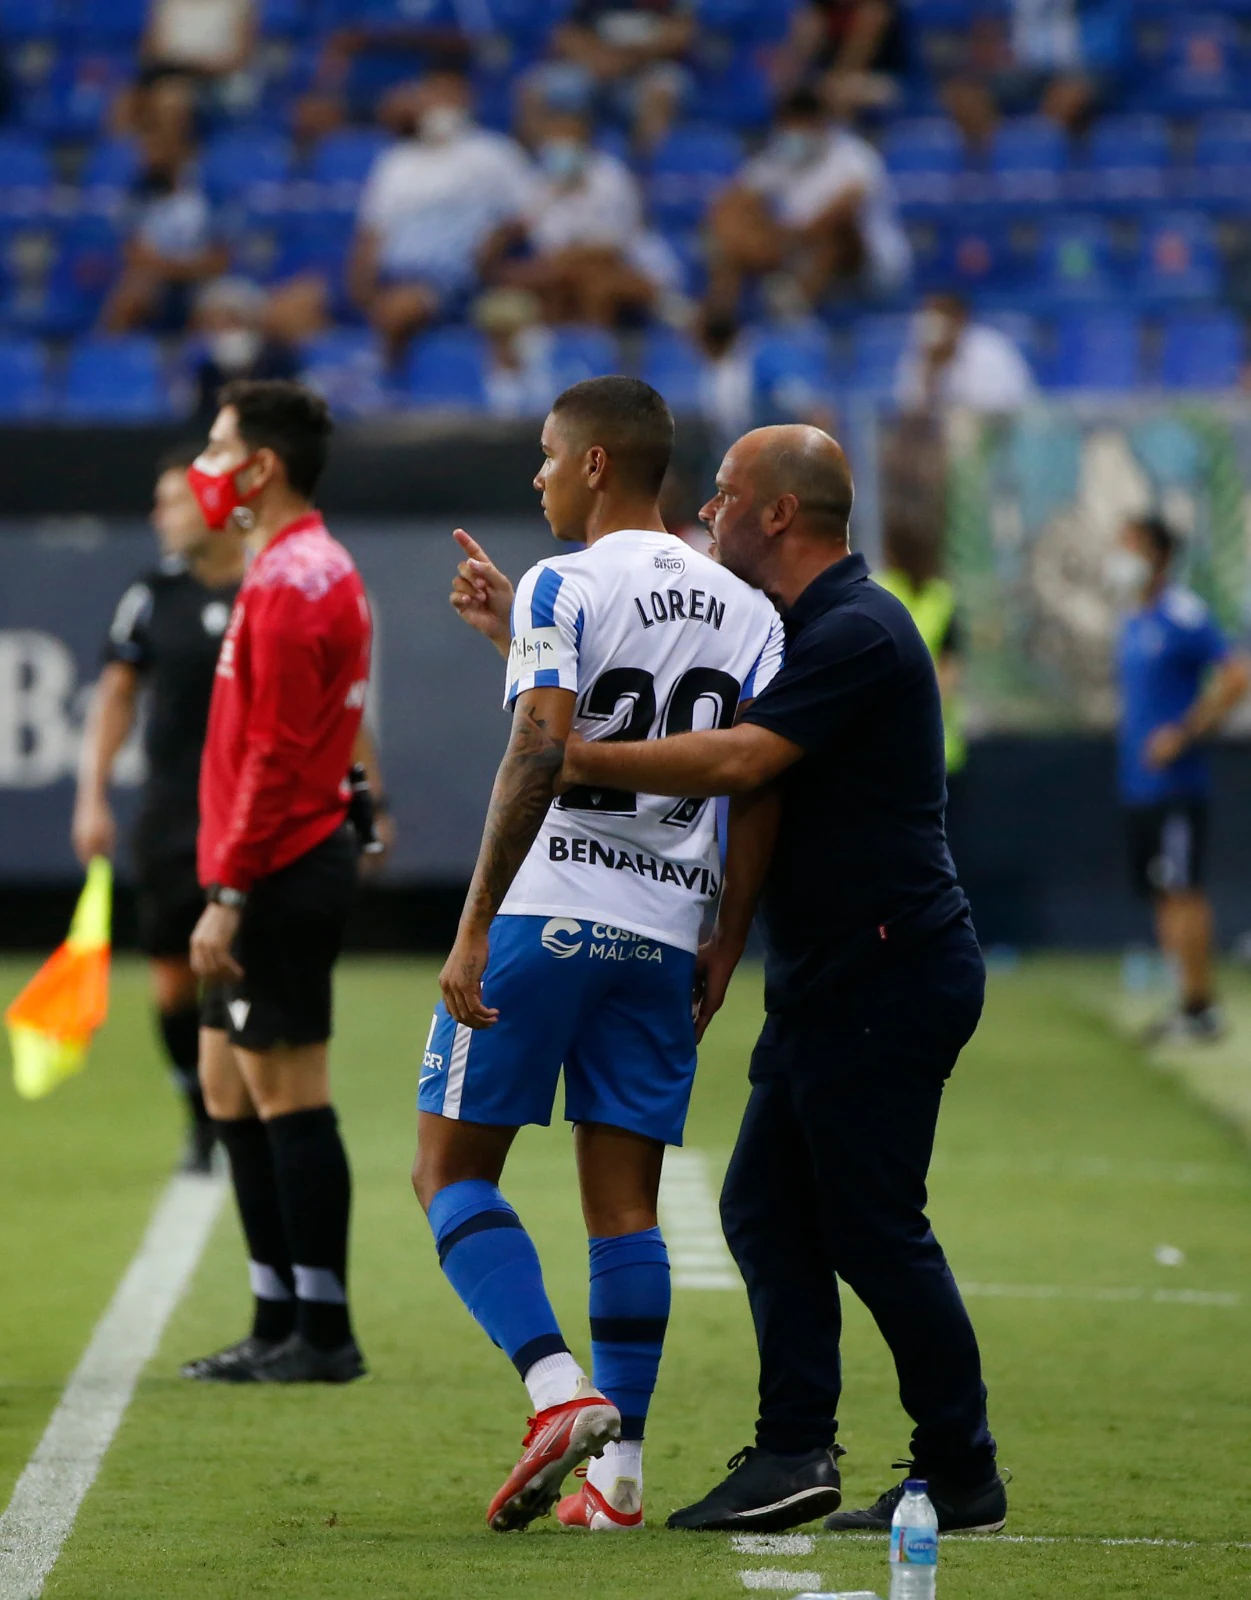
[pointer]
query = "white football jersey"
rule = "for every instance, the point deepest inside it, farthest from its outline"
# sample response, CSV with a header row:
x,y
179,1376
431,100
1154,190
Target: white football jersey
x,y
654,639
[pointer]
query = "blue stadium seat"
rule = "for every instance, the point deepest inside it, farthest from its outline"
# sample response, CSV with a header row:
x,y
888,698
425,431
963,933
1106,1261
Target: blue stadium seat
x,y
239,161
1028,159
342,161
447,368
733,88
72,98
924,156
1099,350
1220,173
111,165
1203,62
345,366
26,175
687,169
1128,159
115,379
877,342
672,363
579,353
110,22
284,19
974,258
1178,259
29,19
24,392
746,19
1075,260
1202,350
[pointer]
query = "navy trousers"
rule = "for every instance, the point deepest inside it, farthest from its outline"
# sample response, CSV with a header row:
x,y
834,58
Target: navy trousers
x,y
827,1183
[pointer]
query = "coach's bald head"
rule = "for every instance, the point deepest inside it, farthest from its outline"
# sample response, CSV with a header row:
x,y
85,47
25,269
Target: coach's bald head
x,y
782,508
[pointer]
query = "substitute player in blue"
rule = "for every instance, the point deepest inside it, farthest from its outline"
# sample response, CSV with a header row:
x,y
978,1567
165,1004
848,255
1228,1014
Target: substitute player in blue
x,y
577,944
1178,682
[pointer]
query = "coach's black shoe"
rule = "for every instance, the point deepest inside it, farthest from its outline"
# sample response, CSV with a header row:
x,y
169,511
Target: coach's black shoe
x,y
983,1509
235,1364
297,1361
767,1492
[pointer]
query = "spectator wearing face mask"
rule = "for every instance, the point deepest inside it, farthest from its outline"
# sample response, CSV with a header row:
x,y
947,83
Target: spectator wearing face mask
x,y
951,360
817,204
592,258
229,318
172,243
623,62
431,205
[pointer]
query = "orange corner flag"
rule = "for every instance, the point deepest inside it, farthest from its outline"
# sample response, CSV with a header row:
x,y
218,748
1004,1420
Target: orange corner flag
x,y
51,1022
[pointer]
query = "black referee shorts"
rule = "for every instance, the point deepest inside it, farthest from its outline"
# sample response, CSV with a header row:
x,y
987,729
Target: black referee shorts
x,y
168,903
288,942
1167,845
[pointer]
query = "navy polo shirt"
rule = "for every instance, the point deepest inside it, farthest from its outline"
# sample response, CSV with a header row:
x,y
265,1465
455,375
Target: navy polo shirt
x,y
862,857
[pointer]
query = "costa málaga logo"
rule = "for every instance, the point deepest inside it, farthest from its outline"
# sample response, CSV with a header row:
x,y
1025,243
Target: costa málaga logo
x,y
556,936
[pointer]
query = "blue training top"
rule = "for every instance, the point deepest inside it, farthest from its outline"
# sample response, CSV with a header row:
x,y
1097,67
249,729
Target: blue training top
x,y
1165,652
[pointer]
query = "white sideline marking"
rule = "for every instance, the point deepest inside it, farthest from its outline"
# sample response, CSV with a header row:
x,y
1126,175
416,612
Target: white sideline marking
x,y
773,1544
58,1475
692,1226
779,1578
1057,1291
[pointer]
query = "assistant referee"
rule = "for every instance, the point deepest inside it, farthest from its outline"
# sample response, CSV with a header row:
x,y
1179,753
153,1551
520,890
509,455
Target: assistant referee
x,y
873,985
278,864
162,648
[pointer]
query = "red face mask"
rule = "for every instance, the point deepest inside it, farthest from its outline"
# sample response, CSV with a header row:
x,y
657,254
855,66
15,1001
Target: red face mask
x,y
217,493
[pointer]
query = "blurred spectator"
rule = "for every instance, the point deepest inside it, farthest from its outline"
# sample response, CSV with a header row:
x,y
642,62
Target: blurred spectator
x,y
817,203
593,259
623,62
912,573
209,37
171,245
854,49
430,206
229,317
519,379
951,360
726,385
1057,57
393,44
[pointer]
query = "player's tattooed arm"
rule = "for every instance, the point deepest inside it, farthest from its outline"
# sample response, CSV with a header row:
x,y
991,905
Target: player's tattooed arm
x,y
524,787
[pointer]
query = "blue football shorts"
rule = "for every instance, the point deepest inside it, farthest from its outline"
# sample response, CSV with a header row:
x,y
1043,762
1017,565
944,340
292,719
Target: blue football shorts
x,y
612,1007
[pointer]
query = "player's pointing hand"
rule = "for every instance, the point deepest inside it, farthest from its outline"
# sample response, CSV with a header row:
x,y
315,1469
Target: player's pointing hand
x,y
481,593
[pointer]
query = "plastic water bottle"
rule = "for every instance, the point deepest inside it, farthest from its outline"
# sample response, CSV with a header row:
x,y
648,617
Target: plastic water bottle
x,y
914,1545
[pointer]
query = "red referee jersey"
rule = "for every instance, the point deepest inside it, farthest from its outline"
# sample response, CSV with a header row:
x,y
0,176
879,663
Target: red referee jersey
x,y
287,704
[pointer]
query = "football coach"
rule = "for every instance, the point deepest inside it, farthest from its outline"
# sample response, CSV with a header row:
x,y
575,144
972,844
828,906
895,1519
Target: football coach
x,y
873,985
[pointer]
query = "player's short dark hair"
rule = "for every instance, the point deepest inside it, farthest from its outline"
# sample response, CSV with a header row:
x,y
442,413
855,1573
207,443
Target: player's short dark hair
x,y
1163,539
629,419
287,418
801,104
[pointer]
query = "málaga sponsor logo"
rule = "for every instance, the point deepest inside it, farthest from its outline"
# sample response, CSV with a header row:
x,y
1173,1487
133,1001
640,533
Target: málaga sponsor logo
x,y
556,935
619,944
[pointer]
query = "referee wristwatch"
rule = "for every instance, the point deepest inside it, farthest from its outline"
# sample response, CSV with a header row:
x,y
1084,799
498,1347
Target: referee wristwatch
x,y
219,895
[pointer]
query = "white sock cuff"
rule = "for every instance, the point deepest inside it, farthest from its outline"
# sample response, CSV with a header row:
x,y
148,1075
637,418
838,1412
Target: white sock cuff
x,y
552,1380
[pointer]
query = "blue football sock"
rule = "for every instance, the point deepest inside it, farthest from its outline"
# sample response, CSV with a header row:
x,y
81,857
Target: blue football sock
x,y
629,1314
493,1266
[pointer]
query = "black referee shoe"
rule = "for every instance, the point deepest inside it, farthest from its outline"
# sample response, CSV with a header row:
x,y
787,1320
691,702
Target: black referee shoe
x,y
234,1364
767,1492
982,1509
297,1361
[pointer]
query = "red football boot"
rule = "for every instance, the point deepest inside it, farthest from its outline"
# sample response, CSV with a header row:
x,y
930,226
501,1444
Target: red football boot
x,y
589,1508
559,1439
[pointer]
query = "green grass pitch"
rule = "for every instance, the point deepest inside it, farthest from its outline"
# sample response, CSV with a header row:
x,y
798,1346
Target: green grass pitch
x,y
1063,1162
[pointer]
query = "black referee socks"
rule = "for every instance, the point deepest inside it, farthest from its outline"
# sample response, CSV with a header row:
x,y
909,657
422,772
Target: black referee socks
x,y
252,1169
180,1033
315,1192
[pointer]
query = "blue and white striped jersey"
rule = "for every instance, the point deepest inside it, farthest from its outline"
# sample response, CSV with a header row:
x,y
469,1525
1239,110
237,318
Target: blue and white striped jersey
x,y
654,639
